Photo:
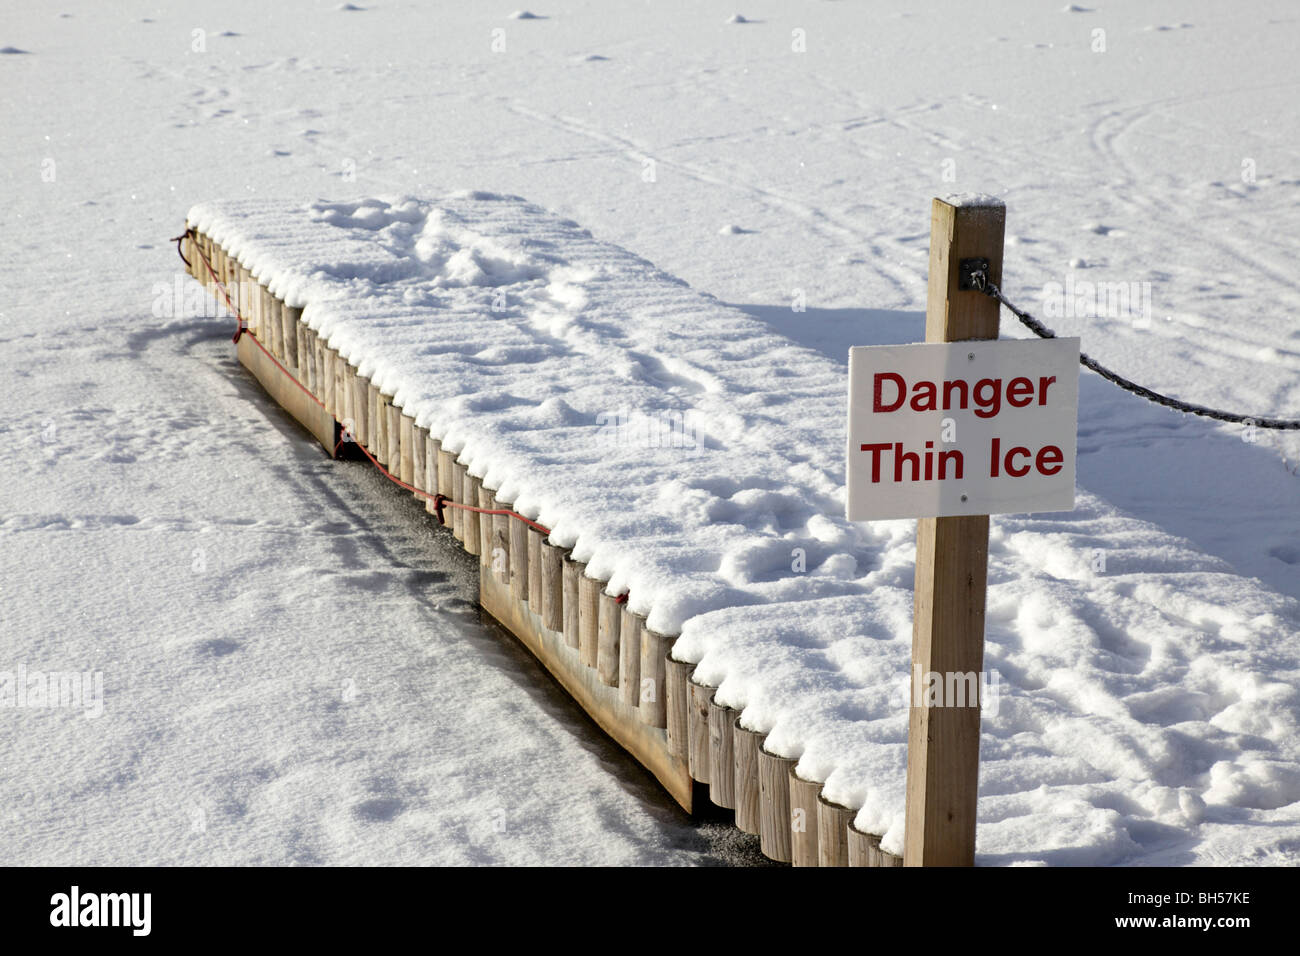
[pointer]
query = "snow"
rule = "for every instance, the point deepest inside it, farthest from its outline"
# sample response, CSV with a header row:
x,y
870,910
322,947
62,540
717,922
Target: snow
x,y
1147,709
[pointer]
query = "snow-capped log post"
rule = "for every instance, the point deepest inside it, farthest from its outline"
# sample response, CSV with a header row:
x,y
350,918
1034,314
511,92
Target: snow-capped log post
x,y
697,730
573,572
722,755
652,704
608,637
534,566
832,832
456,516
432,462
863,848
486,500
774,833
630,627
473,520
405,445
419,443
746,744
444,481
943,743
552,607
518,532
589,590
804,833
677,696
502,553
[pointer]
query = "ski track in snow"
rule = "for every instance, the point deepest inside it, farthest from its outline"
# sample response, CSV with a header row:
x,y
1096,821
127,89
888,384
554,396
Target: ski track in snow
x,y
1150,710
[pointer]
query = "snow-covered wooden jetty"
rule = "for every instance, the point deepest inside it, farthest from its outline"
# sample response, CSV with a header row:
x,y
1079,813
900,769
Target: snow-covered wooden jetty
x,y
607,640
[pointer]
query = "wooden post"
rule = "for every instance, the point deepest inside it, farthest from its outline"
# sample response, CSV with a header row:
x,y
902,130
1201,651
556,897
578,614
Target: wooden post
x,y
774,804
309,361
573,573
333,379
383,436
697,730
271,312
473,526
861,846
722,754
534,568
677,703
456,516
393,432
289,331
265,306
589,618
880,857
242,299
552,609
652,704
502,554
608,636
832,833
518,558
344,393
486,529
372,418
746,745
432,462
340,367
300,333
629,656
803,820
951,573
419,451
406,449
443,475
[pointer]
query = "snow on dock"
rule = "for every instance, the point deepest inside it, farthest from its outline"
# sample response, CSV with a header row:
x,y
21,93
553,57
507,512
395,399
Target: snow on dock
x,y
693,460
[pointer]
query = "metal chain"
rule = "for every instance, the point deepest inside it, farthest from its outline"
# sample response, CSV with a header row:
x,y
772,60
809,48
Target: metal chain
x,y
981,283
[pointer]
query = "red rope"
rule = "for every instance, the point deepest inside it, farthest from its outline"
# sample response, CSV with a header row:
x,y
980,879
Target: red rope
x,y
440,501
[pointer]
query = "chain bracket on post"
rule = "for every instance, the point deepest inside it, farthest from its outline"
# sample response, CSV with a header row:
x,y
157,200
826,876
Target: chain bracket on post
x,y
973,275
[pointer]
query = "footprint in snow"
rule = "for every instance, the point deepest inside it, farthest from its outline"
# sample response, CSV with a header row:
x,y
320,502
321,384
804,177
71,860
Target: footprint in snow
x,y
221,647
379,809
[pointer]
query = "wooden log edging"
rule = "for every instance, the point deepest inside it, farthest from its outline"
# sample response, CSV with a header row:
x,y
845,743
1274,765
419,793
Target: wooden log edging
x,y
746,744
774,804
803,820
722,754
833,821
697,730
618,669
